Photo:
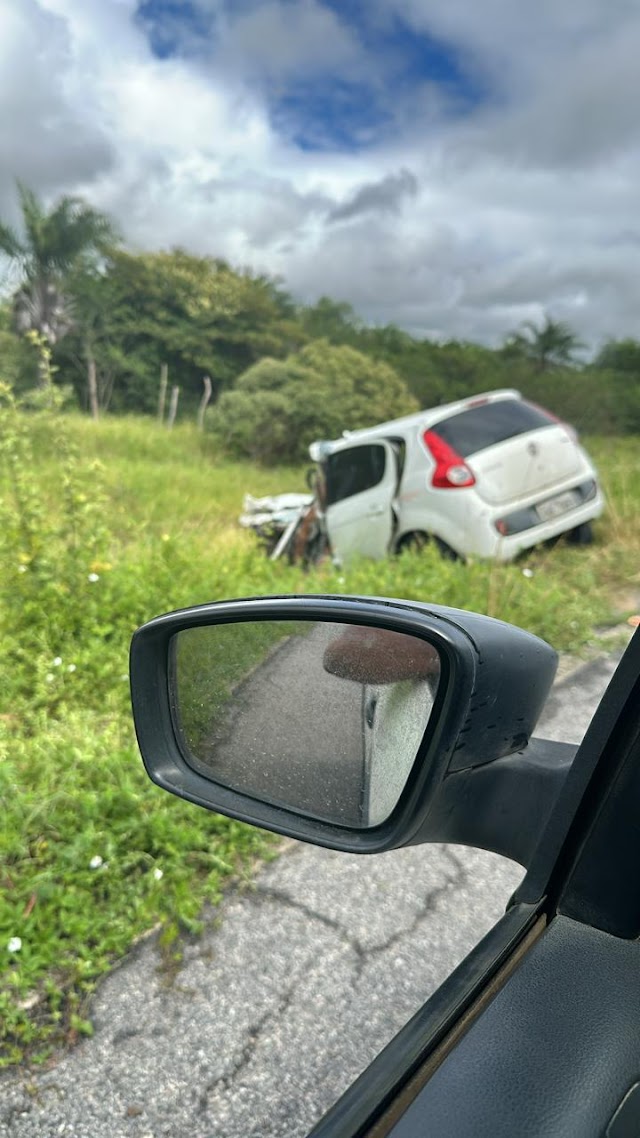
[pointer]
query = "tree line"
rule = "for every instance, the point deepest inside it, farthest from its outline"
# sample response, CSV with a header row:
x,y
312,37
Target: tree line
x,y
100,323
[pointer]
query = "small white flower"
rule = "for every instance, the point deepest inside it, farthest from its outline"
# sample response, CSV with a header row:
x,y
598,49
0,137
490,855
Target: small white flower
x,y
93,577
124,676
96,862
158,874
57,662
71,667
527,572
15,944
49,677
22,568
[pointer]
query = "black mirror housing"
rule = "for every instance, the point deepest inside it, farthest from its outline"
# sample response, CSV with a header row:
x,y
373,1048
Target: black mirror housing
x,y
494,680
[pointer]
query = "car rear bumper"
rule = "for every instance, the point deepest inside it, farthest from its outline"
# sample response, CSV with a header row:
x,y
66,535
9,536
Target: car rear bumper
x,y
530,530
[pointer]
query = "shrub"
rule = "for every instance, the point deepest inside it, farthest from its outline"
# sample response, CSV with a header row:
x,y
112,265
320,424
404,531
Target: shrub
x,y
279,406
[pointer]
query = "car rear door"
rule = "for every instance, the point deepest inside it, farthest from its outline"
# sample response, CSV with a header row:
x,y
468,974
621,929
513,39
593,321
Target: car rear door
x,y
514,449
528,464
361,485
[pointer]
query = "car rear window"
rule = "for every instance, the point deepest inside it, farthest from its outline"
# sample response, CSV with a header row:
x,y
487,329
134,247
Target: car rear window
x,y
480,427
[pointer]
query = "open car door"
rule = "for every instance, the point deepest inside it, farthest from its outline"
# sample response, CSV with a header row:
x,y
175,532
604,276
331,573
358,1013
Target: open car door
x,y
361,484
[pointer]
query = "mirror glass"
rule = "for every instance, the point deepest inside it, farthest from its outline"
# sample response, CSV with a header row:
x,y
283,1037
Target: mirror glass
x,y
325,719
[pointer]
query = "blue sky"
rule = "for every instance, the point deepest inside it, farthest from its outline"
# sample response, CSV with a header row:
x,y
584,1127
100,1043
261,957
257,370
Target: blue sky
x,y
168,23
331,105
449,166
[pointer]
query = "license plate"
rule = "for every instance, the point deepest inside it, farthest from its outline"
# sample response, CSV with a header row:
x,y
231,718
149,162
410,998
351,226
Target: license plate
x,y
561,504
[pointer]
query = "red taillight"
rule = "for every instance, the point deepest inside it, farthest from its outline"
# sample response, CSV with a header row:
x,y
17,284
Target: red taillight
x,y
451,472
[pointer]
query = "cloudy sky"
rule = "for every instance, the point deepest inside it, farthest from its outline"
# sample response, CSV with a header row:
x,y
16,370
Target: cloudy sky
x,y
453,166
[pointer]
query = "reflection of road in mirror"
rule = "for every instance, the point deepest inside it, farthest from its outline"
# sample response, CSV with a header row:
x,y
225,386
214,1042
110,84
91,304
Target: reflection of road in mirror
x,y
263,708
290,732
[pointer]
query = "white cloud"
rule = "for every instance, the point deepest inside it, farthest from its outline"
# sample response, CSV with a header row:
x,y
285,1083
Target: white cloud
x,y
451,225
281,40
45,136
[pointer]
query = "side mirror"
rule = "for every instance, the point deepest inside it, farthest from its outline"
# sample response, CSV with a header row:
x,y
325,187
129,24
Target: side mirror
x,y
339,721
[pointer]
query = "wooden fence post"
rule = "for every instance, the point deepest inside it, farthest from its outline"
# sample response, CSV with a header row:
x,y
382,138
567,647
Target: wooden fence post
x,y
164,376
92,384
206,396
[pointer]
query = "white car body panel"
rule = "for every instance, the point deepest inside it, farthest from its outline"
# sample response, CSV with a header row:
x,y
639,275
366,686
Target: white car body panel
x,y
543,471
527,465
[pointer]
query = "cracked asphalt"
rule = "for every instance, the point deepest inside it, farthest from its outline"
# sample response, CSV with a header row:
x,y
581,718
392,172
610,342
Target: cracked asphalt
x,y
294,986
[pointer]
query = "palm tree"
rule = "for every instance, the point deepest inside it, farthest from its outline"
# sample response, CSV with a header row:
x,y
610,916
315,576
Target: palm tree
x,y
554,344
54,243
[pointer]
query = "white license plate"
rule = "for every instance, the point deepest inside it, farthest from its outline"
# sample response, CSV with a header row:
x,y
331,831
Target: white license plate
x,y
561,504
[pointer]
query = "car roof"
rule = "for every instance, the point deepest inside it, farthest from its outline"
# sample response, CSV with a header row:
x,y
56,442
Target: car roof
x,y
320,448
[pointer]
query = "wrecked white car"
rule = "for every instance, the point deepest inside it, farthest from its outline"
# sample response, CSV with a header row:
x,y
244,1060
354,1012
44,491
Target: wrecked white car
x,y
488,476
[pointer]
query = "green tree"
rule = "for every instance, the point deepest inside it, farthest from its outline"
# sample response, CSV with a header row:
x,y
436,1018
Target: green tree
x,y
278,407
194,314
436,372
553,344
332,320
617,366
89,355
621,356
53,243
17,360
457,368
412,359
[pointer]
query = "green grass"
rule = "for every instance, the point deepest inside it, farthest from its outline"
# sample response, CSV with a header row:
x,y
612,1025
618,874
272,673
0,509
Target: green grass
x,y
104,526
92,859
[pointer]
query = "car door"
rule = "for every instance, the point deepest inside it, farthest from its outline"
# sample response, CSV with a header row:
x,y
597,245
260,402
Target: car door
x,y
361,485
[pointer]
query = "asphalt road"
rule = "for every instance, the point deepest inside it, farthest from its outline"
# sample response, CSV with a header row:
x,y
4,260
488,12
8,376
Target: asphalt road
x,y
293,733
292,989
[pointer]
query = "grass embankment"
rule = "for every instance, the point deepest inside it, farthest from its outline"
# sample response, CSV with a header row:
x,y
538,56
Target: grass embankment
x,y
102,527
